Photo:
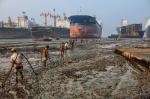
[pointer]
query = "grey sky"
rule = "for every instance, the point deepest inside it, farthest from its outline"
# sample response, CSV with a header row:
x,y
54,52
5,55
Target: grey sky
x,y
109,11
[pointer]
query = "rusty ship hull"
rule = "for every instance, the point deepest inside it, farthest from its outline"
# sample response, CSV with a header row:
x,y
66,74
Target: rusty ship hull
x,y
84,26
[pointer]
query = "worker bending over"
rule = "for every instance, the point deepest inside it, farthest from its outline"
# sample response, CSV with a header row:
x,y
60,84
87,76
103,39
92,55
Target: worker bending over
x,y
16,61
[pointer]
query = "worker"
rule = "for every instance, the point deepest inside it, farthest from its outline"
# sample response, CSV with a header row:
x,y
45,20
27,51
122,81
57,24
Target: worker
x,y
67,46
72,44
62,49
44,55
16,61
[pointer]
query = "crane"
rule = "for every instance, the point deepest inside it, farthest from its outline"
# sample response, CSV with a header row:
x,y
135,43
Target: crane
x,y
54,16
10,23
45,16
65,17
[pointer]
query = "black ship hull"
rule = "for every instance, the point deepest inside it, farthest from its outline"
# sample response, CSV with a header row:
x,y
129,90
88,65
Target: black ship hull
x,y
39,33
35,33
14,33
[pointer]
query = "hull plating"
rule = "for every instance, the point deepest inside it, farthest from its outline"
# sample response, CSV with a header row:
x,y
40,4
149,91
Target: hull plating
x,y
13,33
85,31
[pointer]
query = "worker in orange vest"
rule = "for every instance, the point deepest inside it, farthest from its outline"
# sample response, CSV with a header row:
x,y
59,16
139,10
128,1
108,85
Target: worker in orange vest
x,y
44,55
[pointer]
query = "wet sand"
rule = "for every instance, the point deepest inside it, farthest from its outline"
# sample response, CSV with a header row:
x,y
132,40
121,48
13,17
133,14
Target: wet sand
x,y
91,71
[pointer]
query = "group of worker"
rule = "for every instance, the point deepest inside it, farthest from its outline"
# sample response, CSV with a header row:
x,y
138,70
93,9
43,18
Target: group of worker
x,y
17,58
66,46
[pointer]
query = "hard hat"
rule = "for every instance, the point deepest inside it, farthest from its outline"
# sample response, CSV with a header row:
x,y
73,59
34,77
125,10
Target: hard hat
x,y
13,50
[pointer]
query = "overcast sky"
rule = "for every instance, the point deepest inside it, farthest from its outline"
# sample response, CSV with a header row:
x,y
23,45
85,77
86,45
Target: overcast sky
x,y
109,11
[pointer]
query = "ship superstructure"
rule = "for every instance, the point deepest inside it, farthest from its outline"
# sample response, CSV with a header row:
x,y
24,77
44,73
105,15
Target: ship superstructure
x,y
60,29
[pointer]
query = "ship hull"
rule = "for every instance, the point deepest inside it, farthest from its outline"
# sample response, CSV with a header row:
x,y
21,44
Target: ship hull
x,y
39,33
81,27
131,31
14,33
85,31
35,33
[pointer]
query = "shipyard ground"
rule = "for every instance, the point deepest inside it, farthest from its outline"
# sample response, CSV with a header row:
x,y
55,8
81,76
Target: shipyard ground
x,y
91,71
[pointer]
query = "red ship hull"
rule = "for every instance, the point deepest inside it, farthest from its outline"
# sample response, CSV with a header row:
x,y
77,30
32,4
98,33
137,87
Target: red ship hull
x,y
82,27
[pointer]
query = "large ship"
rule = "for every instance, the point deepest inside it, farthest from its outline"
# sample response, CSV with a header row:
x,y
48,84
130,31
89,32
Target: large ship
x,y
130,30
60,29
12,30
84,26
25,28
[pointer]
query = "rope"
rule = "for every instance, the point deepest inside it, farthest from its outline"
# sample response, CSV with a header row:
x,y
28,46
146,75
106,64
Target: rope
x,y
30,64
33,71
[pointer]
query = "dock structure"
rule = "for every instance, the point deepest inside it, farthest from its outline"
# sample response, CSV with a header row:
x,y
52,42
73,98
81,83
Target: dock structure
x,y
138,57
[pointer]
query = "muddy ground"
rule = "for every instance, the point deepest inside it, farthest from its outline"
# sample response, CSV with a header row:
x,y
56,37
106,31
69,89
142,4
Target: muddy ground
x,y
90,71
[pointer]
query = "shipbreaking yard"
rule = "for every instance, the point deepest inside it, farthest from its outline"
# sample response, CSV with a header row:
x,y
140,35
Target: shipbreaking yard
x,y
94,69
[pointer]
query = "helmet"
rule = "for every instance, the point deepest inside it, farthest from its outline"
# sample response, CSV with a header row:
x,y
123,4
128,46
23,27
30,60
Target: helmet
x,y
13,50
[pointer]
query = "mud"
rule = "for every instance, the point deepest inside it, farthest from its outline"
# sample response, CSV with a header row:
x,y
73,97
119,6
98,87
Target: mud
x,y
90,71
